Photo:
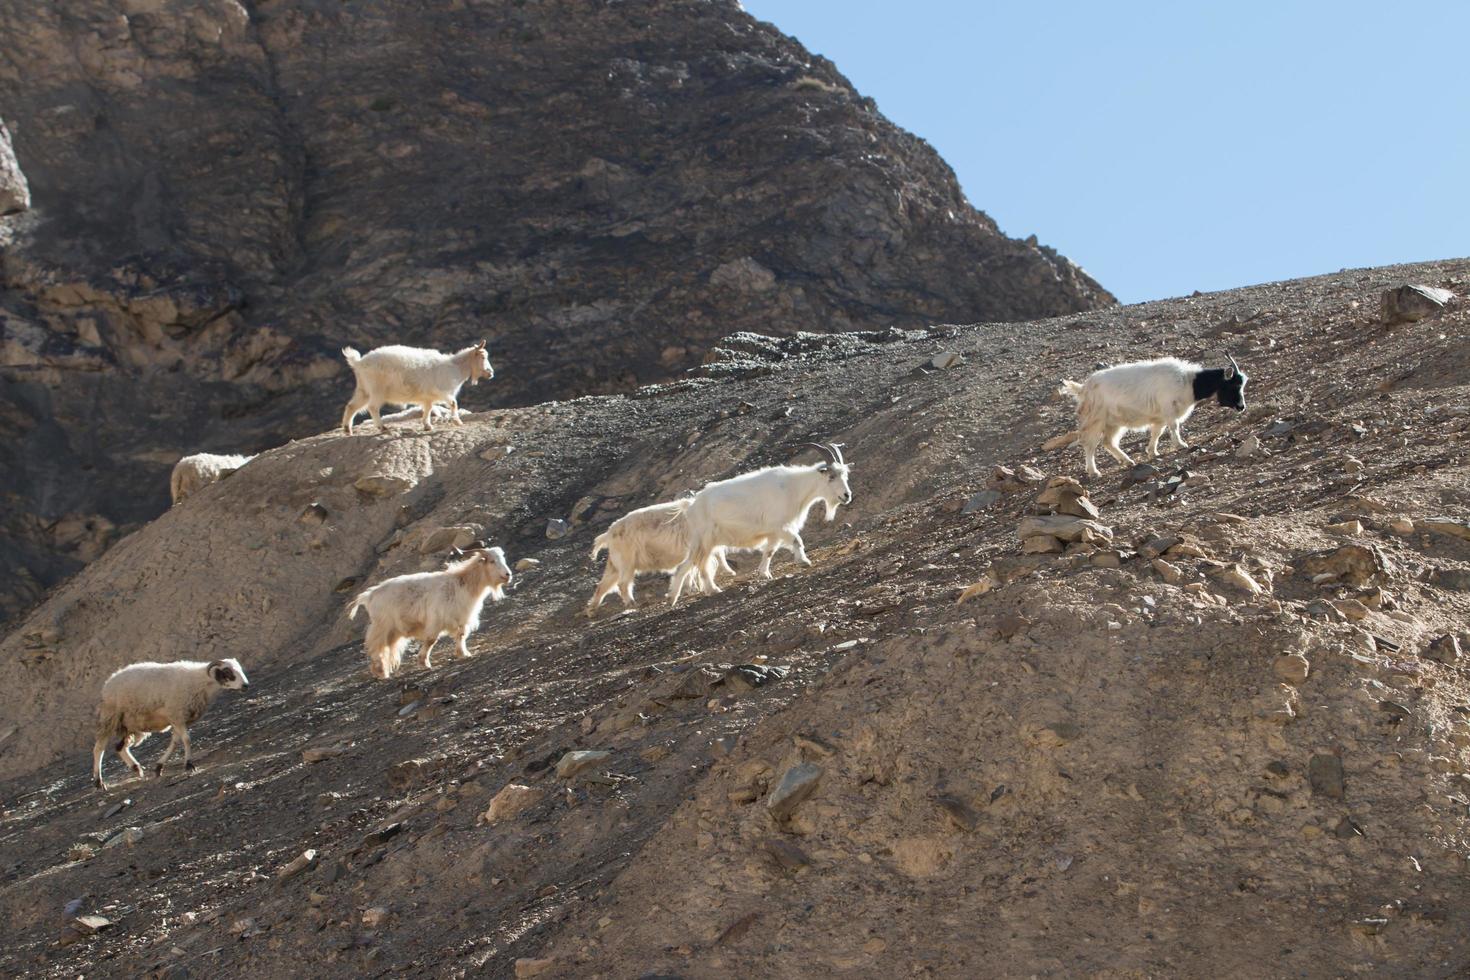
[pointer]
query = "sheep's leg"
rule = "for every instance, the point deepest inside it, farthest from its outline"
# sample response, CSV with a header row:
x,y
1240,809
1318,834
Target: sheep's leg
x,y
357,404
173,740
426,651
124,753
99,749
1116,451
183,736
428,416
1154,431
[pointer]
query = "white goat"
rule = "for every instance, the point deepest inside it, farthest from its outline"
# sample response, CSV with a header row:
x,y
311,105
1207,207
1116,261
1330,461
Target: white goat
x,y
649,539
412,376
764,509
426,605
200,470
150,697
1154,395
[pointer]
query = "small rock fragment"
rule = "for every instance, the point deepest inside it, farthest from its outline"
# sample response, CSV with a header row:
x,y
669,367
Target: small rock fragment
x,y
980,501
1324,772
306,859
1346,529
495,454
579,761
513,799
314,513
1444,649
1411,303
958,812
795,785
1448,526
375,916
526,563
378,485
787,855
1041,544
556,528
1293,668
945,360
527,966
128,836
1169,573
1065,528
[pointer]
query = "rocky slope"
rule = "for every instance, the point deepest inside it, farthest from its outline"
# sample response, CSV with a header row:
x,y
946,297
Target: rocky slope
x,y
1231,741
222,194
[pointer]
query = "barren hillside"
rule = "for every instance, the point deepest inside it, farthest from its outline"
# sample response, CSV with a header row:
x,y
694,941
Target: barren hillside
x,y
223,193
1231,742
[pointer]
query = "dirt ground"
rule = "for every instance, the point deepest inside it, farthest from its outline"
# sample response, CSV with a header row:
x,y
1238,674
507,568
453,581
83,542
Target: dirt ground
x,y
1219,763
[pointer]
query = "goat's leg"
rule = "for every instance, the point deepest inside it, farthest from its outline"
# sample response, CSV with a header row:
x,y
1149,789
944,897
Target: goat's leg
x,y
173,740
1154,431
797,546
724,565
99,749
1178,435
605,587
374,409
625,591
454,411
183,733
125,754
460,647
678,578
429,416
1116,451
357,404
426,650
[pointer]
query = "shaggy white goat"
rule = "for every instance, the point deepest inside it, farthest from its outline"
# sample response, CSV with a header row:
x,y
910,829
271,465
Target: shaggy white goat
x,y
424,606
200,470
764,509
141,699
1154,395
649,539
412,376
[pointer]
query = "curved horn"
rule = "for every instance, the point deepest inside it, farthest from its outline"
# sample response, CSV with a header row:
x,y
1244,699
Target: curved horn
x,y
832,455
837,449
1233,364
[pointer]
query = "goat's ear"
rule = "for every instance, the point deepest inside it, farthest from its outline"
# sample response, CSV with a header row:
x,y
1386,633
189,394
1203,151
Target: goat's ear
x,y
822,467
481,345
1229,373
214,665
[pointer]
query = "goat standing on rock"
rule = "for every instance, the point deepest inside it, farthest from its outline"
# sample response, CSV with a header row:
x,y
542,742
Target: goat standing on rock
x,y
412,376
764,509
1153,395
424,606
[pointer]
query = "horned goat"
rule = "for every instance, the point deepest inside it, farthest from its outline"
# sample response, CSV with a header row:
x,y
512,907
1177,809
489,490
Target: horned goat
x,y
424,606
144,698
412,376
649,539
1154,395
763,509
192,473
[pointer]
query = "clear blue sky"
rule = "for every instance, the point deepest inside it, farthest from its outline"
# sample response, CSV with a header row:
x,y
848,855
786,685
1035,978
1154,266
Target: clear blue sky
x,y
1168,147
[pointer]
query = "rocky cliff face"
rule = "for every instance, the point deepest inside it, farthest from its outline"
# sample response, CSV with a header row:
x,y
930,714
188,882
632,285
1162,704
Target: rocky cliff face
x,y
222,194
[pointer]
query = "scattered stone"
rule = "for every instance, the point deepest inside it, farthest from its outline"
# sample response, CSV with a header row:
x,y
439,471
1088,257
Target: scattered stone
x,y
1347,529
1352,610
527,563
1444,649
1356,564
304,861
1455,579
1250,448
556,528
1041,544
1240,579
1412,303
795,785
496,453
447,538
1107,559
1393,708
378,485
1346,828
1018,480
512,800
117,808
375,916
974,589
959,813
1293,668
1448,526
1401,526
1066,528
90,925
323,752
1169,573
1154,545
128,836
242,926
382,835
787,855
744,678
1139,473
527,966
1324,772
945,360
81,852
724,746
1011,624
980,501
575,762
314,513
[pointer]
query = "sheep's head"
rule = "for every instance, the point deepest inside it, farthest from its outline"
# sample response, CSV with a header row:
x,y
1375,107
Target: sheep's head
x,y
480,363
1232,388
228,674
487,566
835,490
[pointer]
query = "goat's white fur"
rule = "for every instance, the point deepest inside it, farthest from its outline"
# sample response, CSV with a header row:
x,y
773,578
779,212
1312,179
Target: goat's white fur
x,y
424,606
144,698
649,539
412,376
1155,395
200,470
763,509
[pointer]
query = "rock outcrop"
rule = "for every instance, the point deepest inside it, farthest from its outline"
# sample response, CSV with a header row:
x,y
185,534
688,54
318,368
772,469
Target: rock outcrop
x,y
223,194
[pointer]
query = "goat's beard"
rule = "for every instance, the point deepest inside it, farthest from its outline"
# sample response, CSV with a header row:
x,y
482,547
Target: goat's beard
x,y
829,510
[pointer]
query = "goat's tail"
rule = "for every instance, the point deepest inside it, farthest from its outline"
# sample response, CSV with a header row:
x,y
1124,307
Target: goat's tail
x,y
600,544
362,598
353,357
175,486
110,723
1072,389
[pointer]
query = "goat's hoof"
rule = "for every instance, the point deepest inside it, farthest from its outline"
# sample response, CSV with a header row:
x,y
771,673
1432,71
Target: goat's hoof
x,y
97,782
157,771
189,767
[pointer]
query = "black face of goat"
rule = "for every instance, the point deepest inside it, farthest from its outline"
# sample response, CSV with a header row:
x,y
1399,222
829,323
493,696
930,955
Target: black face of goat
x,y
1227,385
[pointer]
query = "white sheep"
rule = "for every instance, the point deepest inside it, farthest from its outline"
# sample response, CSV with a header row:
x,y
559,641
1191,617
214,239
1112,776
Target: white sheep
x,y
144,698
649,539
412,376
764,509
1154,395
195,472
424,606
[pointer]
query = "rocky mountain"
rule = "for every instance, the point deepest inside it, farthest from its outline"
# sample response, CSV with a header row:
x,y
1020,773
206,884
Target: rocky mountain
x,y
223,193
1221,730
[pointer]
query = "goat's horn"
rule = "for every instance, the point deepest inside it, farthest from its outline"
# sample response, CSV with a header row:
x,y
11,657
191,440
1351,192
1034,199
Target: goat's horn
x,y
837,450
827,451
1232,363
